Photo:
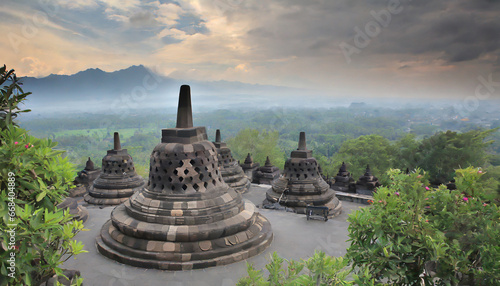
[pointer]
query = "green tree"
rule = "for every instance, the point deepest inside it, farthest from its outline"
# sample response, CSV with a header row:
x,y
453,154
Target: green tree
x,y
36,236
259,144
491,182
407,152
444,152
373,150
412,229
10,98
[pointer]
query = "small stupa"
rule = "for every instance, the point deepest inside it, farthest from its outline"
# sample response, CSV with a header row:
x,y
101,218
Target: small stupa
x,y
302,185
249,167
267,174
84,179
186,217
367,183
344,181
231,171
451,185
117,180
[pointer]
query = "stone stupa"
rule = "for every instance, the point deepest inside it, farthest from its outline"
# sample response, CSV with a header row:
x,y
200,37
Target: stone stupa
x,y
186,217
231,171
84,179
267,174
344,181
249,167
79,212
302,185
117,180
367,183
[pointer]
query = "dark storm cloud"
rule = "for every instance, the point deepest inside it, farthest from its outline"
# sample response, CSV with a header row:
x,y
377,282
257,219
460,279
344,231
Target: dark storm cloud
x,y
450,30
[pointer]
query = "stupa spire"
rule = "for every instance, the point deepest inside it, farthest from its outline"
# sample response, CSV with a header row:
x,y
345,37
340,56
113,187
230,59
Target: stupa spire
x,y
268,162
248,159
116,140
302,141
217,136
184,111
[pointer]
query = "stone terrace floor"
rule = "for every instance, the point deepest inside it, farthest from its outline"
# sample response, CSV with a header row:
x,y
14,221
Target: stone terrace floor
x,y
294,237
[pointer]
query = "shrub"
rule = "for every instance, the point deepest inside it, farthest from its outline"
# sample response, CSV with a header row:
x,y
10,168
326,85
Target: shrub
x,y
11,96
412,231
43,176
34,178
320,269
43,233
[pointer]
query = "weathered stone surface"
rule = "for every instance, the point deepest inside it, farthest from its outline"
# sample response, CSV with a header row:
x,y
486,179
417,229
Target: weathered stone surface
x,y
302,185
344,181
231,171
84,179
367,183
117,180
249,167
186,217
79,212
267,174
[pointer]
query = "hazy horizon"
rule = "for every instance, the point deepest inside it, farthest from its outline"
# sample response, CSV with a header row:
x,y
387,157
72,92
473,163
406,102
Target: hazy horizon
x,y
394,49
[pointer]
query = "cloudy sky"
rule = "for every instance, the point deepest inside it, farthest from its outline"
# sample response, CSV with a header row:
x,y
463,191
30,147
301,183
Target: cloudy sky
x,y
420,48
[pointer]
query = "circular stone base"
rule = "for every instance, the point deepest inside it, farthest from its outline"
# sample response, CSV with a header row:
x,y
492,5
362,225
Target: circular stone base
x,y
365,192
300,203
79,191
97,196
241,187
228,249
334,208
236,179
104,201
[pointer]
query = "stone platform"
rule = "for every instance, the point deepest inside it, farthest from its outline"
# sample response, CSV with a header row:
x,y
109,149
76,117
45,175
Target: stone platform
x,y
294,238
355,198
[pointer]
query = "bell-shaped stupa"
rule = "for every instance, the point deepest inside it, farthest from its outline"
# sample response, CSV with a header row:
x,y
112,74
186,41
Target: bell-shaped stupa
x,y
249,167
186,217
267,174
367,183
344,181
302,185
84,179
231,171
117,180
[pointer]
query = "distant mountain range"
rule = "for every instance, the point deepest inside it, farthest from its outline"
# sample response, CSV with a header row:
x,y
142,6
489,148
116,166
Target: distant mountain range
x,y
138,87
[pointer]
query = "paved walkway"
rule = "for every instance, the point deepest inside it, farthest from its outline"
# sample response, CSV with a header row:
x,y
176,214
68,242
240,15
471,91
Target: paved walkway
x,y
294,238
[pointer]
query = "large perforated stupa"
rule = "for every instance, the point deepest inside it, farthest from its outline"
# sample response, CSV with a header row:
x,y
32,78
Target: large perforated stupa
x,y
302,185
186,217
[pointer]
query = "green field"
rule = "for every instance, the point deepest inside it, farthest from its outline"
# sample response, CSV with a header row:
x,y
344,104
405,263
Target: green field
x,y
124,133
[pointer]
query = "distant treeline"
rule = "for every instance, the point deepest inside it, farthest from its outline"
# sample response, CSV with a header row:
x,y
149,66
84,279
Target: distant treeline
x,y
333,134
